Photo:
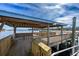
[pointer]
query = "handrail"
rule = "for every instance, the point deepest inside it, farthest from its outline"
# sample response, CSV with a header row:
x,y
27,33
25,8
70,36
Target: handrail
x,y
56,35
64,50
59,41
51,43
75,53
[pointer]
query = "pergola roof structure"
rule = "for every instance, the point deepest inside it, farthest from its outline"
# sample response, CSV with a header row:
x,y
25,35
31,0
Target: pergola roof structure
x,y
15,15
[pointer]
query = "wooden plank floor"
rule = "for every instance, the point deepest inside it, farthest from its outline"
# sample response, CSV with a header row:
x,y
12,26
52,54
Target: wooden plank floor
x,y
55,40
17,49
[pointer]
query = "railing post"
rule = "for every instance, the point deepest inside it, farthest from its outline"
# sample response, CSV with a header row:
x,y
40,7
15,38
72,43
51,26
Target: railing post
x,y
61,33
58,47
48,35
66,41
1,26
78,43
41,30
32,39
32,33
14,33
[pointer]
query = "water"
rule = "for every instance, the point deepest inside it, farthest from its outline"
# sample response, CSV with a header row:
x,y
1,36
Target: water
x,y
7,33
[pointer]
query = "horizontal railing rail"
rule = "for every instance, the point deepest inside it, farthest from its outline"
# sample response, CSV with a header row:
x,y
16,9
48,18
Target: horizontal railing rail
x,y
55,53
75,53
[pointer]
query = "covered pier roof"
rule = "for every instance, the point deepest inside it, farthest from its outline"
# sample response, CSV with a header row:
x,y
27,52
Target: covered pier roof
x,y
22,15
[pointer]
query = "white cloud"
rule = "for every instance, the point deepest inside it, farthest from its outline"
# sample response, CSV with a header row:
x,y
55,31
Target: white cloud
x,y
53,11
53,7
68,19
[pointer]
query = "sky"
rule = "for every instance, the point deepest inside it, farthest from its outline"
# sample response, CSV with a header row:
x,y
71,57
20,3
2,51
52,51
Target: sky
x,y
59,12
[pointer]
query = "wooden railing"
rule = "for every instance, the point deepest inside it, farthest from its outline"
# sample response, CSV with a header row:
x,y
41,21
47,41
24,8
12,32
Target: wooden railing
x,y
40,49
5,45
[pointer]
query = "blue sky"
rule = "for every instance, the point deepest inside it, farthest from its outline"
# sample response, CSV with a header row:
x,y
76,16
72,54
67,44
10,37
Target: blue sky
x,y
59,12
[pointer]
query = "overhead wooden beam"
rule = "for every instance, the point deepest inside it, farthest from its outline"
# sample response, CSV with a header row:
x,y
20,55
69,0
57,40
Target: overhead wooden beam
x,y
21,23
24,21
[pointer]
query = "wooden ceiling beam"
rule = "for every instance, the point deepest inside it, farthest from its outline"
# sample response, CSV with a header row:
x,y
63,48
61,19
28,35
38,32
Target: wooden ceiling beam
x,y
14,22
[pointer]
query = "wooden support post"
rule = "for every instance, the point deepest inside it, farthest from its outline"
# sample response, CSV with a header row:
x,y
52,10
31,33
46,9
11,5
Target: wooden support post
x,y
1,26
61,34
32,39
14,33
66,43
32,33
41,34
73,32
48,36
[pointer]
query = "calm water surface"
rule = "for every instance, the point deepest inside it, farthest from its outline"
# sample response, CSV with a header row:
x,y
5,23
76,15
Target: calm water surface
x,y
7,33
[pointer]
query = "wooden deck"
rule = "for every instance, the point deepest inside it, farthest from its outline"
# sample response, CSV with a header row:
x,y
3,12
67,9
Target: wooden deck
x,y
55,38
23,42
22,46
